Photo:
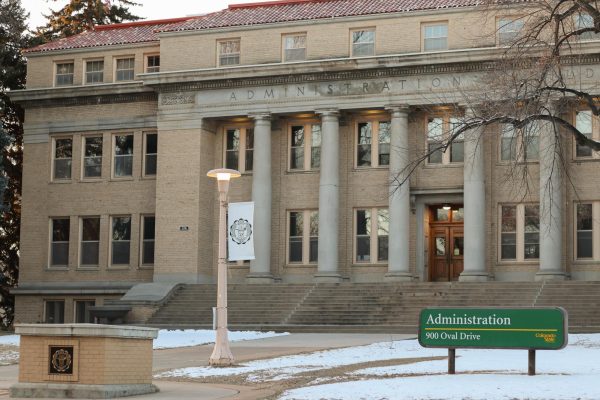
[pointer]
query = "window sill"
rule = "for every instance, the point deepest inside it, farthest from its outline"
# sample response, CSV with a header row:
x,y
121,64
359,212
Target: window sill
x,y
118,267
505,263
584,262
61,181
148,177
369,264
366,169
300,265
91,180
122,179
50,268
88,268
440,165
303,172
577,160
146,266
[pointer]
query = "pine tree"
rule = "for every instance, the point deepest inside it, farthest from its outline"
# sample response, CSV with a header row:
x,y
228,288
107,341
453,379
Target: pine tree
x,y
81,15
13,37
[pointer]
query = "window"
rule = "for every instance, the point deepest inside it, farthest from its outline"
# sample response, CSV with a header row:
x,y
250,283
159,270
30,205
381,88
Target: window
x,y
509,30
123,157
371,235
519,145
305,147
92,156
125,69
121,238
59,242
373,144
435,36
584,224
294,47
439,131
582,21
363,43
54,312
303,237
584,122
94,71
153,64
519,232
64,73
63,158
82,311
148,239
229,52
151,152
239,148
90,241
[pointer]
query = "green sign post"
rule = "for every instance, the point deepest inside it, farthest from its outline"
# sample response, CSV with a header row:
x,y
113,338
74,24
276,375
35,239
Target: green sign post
x,y
493,328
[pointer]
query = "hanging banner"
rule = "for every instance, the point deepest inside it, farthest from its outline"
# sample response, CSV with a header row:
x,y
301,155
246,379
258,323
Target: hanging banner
x,y
240,231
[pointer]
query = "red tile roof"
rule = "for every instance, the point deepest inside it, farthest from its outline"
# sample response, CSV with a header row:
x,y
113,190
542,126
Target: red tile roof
x,y
106,35
298,10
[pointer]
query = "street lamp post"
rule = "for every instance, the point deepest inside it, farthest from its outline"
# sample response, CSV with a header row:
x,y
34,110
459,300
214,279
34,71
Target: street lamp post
x,y
221,355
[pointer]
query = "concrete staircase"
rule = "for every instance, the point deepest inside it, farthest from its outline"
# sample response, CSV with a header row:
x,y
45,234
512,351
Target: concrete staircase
x,y
369,307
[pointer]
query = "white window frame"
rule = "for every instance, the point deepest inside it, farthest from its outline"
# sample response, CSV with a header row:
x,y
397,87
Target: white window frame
x,y
353,44
56,74
229,55
577,18
151,69
307,146
285,49
53,178
306,236
373,236
424,37
594,134
520,234
117,70
85,64
143,241
241,167
114,155
375,129
84,139
595,232
146,154
81,242
520,147
447,125
110,241
51,242
506,29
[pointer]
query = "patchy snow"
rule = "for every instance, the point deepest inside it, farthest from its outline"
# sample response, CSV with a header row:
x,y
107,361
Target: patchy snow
x,y
9,340
8,356
571,373
189,337
287,366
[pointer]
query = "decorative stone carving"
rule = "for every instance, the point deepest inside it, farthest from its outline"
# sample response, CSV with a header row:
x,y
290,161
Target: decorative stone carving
x,y
176,99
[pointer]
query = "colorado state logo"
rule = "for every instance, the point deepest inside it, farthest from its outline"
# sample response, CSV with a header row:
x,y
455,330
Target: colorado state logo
x,y
240,231
61,360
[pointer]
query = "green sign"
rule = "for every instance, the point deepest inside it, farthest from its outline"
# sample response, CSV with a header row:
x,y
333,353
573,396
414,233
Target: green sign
x,y
494,328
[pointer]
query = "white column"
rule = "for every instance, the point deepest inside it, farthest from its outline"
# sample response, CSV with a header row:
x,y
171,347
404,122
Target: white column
x,y
329,197
399,206
260,267
474,205
551,209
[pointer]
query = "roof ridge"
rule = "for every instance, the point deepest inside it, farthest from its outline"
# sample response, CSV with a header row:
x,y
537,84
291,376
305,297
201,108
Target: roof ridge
x,y
273,3
141,23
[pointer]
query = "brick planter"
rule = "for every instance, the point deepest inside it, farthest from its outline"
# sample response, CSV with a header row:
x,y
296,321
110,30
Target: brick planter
x,y
84,361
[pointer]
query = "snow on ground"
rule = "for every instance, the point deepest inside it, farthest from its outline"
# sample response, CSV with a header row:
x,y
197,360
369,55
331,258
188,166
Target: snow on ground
x,y
571,373
10,340
189,337
284,367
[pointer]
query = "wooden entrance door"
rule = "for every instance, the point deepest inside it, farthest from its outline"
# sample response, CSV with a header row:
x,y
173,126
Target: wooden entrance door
x,y
446,244
446,253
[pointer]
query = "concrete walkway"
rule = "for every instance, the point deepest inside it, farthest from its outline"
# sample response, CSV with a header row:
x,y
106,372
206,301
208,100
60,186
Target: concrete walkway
x,y
243,351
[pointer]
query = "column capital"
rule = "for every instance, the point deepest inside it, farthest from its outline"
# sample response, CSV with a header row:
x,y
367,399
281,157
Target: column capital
x,y
398,109
260,116
328,112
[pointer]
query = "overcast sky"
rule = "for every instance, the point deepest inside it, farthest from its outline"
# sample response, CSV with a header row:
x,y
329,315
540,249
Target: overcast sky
x,y
149,9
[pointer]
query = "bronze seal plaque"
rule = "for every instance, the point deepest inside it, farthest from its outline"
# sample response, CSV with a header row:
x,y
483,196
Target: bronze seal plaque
x,y
61,360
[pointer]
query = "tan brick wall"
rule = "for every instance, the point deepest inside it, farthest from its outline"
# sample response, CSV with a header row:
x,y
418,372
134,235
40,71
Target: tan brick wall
x,y
41,70
98,361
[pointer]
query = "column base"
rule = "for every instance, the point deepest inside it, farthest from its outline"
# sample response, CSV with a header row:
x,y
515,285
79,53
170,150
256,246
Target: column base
x,y
474,276
550,276
398,276
327,277
259,277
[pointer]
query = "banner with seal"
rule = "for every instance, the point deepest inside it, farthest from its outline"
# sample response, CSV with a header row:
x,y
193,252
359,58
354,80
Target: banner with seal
x,y
240,231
